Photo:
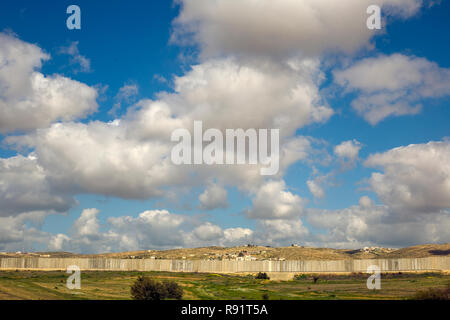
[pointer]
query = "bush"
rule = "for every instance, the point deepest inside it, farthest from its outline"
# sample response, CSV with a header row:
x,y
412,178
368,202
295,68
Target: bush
x,y
358,275
434,294
174,291
148,289
300,277
262,275
265,296
315,279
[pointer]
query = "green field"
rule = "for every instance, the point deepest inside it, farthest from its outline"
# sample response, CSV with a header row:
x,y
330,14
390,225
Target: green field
x,y
116,285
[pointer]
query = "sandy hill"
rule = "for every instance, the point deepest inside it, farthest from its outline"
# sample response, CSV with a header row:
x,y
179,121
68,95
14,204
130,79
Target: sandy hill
x,y
422,251
264,253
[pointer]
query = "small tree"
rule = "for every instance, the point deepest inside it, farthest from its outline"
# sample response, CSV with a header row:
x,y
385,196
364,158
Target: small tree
x,y
174,291
148,289
262,275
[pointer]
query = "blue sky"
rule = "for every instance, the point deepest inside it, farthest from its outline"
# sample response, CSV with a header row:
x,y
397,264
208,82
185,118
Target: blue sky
x,y
362,196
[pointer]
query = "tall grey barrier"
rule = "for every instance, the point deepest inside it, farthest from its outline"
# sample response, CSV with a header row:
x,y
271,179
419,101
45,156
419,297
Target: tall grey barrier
x,y
226,266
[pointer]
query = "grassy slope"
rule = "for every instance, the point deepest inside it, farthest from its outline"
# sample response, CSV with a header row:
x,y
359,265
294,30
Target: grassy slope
x,y
116,285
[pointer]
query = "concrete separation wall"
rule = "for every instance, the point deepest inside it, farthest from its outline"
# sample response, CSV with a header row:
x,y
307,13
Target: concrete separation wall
x,y
226,266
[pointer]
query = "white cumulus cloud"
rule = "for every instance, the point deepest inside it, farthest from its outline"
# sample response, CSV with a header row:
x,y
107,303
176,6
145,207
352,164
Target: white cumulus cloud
x,y
393,85
415,178
30,99
280,28
273,201
348,150
214,197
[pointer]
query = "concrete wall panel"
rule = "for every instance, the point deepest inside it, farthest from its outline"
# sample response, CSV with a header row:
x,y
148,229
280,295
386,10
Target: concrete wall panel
x,y
226,266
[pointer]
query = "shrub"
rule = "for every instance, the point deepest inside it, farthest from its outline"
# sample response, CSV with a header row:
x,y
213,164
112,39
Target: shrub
x,y
434,294
174,291
265,296
262,275
358,275
315,279
300,277
148,289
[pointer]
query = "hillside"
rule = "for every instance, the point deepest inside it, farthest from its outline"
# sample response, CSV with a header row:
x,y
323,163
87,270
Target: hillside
x,y
263,253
